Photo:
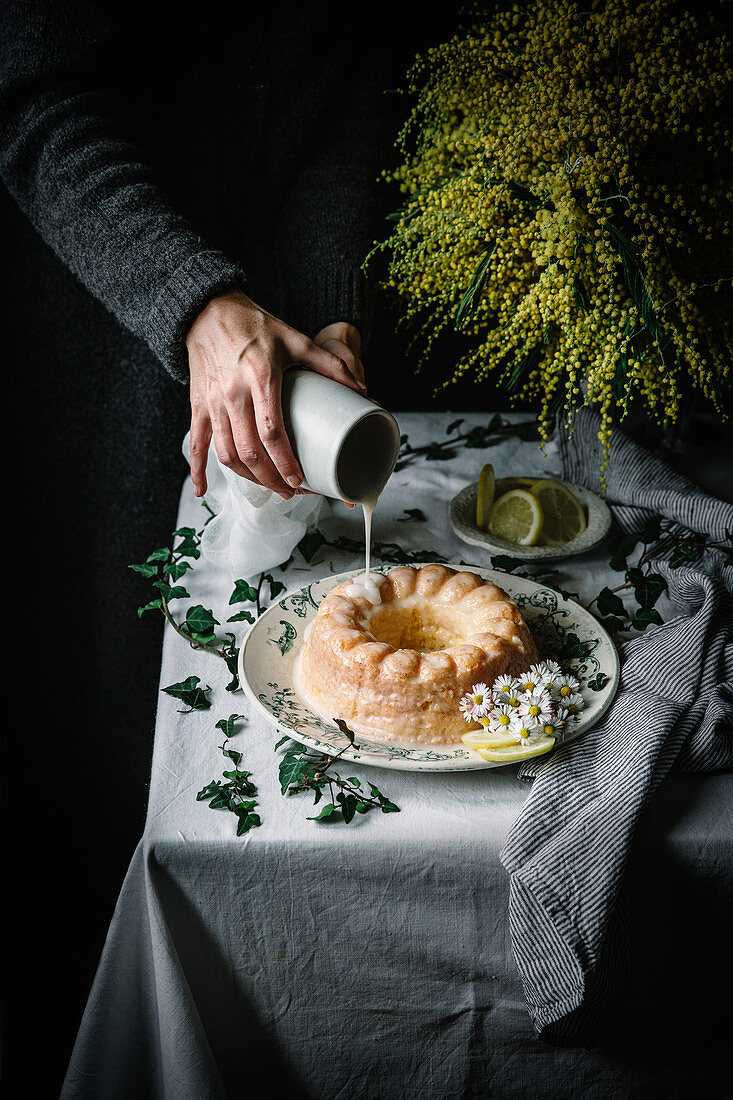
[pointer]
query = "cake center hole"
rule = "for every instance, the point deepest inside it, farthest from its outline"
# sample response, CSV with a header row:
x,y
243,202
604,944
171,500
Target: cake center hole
x,y
423,629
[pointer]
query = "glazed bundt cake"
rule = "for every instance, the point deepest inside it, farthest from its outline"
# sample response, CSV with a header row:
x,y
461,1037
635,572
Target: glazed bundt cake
x,y
396,670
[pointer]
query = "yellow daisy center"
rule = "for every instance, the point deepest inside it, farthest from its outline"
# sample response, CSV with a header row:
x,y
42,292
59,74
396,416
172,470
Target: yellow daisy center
x,y
534,711
503,719
478,700
565,690
484,720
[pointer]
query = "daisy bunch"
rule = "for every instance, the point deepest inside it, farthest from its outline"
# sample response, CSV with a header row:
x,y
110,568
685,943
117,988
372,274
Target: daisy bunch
x,y
545,701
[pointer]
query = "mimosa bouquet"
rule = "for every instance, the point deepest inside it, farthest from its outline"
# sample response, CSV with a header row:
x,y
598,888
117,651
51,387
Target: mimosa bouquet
x,y
569,206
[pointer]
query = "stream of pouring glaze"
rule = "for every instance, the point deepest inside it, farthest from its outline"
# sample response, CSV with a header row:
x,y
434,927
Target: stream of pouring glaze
x,y
367,585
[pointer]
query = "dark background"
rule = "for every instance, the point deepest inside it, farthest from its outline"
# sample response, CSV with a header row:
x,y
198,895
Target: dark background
x,y
77,748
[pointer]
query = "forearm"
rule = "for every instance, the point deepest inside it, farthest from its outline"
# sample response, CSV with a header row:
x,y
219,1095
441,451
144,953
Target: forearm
x,y
87,191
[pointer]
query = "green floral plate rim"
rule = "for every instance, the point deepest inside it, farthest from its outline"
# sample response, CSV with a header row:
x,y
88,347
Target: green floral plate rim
x,y
562,628
462,515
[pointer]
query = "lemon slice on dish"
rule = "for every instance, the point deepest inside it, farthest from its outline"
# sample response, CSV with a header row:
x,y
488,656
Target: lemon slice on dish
x,y
506,754
504,484
485,497
564,518
482,739
517,516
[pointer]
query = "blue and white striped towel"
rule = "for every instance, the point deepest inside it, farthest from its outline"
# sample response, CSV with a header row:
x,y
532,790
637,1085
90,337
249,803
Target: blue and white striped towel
x,y
567,851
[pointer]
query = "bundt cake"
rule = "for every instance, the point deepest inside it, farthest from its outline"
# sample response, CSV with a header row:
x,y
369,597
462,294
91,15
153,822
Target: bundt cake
x,y
396,669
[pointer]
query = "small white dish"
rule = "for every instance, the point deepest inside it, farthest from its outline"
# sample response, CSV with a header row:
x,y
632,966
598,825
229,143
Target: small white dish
x,y
462,515
268,654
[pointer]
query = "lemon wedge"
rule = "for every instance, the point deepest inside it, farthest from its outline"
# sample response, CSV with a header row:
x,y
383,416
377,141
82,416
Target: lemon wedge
x,y
505,754
482,739
485,496
563,515
517,516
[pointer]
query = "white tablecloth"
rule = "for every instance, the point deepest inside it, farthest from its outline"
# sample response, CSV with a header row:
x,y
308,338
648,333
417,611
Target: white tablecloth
x,y
373,959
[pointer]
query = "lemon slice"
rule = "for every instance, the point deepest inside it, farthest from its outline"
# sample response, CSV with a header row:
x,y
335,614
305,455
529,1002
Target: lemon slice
x,y
482,739
517,517
504,484
485,497
507,753
564,518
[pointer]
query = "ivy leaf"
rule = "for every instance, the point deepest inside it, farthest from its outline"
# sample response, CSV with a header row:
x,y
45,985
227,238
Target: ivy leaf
x,y
413,515
162,554
234,756
170,593
153,605
613,623
232,663
506,563
226,725
348,805
452,427
209,791
276,587
147,569
176,569
609,603
345,729
247,819
187,547
241,617
621,546
647,587
243,591
598,682
190,694
201,622
327,813
644,617
291,768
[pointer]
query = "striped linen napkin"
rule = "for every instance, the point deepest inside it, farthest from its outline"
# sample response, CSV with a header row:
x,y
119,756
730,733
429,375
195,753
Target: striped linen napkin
x,y
567,851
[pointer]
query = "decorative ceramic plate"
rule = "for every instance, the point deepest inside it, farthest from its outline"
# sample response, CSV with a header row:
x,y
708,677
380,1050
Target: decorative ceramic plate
x,y
562,629
462,514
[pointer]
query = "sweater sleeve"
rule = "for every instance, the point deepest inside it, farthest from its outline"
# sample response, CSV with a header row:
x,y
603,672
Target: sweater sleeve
x,y
86,189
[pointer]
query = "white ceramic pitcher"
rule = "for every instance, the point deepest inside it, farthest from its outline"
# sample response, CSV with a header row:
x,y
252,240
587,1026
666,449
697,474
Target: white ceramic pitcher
x,y
347,445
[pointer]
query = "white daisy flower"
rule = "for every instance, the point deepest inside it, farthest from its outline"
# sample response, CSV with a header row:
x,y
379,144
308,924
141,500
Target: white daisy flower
x,y
500,718
566,721
536,704
475,703
565,686
570,705
552,727
505,685
546,674
525,729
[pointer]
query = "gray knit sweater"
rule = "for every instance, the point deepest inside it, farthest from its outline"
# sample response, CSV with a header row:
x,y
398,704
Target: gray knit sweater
x,y
168,153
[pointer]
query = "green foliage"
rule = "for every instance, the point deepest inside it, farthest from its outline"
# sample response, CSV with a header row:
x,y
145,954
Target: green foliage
x,y
236,794
303,769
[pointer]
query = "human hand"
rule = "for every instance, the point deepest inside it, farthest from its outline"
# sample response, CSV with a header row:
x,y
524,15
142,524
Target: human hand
x,y
237,353
343,340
